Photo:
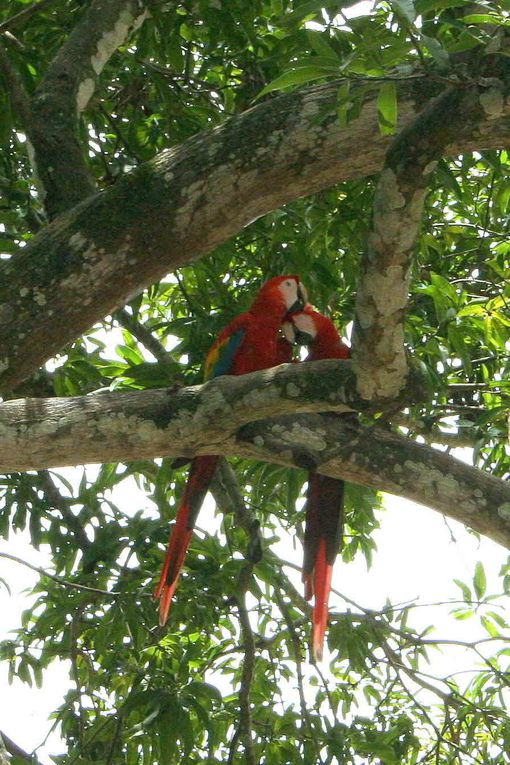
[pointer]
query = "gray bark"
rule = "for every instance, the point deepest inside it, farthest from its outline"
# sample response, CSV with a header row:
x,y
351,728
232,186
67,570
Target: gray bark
x,y
216,418
63,94
185,203
378,341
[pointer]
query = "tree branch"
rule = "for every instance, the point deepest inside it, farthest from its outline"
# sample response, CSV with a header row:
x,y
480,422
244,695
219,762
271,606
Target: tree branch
x,y
65,91
22,16
58,502
58,579
7,744
378,341
15,88
92,259
40,433
143,335
109,426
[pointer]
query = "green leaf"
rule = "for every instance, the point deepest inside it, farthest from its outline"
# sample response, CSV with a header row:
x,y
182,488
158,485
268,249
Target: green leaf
x,y
387,108
404,8
436,50
466,592
479,580
490,627
298,76
319,42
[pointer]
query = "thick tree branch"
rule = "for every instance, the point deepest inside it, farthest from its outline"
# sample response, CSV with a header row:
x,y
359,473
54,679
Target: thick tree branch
x,y
65,91
186,202
37,433
387,462
378,343
40,433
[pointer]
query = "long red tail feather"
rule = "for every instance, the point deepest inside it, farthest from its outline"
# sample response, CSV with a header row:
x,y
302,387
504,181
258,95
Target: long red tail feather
x,y
323,538
200,475
322,587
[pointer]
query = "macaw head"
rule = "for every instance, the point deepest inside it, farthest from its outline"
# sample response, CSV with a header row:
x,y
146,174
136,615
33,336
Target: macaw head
x,y
301,328
284,292
311,328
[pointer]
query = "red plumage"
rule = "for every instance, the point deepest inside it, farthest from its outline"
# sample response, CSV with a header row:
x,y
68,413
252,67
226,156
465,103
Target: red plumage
x,y
250,342
325,495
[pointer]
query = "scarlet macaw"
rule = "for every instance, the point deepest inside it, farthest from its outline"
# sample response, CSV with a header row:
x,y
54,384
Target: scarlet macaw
x,y
325,495
250,342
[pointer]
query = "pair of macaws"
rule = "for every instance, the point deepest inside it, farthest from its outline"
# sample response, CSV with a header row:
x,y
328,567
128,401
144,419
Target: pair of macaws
x,y
254,341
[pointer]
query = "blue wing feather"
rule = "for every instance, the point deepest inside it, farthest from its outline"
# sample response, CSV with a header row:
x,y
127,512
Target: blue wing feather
x,y
220,358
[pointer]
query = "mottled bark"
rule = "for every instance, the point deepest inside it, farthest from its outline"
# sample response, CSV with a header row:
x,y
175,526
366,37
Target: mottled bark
x,y
389,462
185,203
65,91
105,427
216,418
378,342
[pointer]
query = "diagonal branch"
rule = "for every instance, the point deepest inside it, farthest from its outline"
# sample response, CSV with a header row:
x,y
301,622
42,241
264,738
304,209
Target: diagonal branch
x,y
22,16
65,91
8,745
59,503
186,202
143,335
58,579
378,344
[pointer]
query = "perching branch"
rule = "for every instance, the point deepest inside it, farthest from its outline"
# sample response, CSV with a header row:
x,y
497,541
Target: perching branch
x,y
109,426
217,417
112,246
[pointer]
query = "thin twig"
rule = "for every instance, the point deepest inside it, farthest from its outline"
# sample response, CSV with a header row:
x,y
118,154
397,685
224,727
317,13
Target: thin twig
x,y
245,719
296,650
58,502
144,335
228,496
58,579
24,15
75,672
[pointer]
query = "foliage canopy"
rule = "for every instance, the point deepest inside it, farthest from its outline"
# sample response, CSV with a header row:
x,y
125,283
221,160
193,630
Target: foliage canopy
x,y
228,681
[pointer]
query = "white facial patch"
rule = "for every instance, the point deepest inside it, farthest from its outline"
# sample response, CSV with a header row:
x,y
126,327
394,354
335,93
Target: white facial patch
x,y
305,323
289,290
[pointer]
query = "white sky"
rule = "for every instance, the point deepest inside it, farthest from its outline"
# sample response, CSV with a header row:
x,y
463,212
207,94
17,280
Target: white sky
x,y
416,558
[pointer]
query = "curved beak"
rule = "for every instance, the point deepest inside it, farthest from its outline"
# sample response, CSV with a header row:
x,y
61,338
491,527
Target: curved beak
x,y
301,300
289,332
302,338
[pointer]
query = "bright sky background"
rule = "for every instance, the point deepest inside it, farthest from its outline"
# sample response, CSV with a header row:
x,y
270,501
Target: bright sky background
x,y
416,558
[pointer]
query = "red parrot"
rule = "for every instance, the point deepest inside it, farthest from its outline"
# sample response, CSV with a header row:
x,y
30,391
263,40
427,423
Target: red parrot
x,y
325,496
251,341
